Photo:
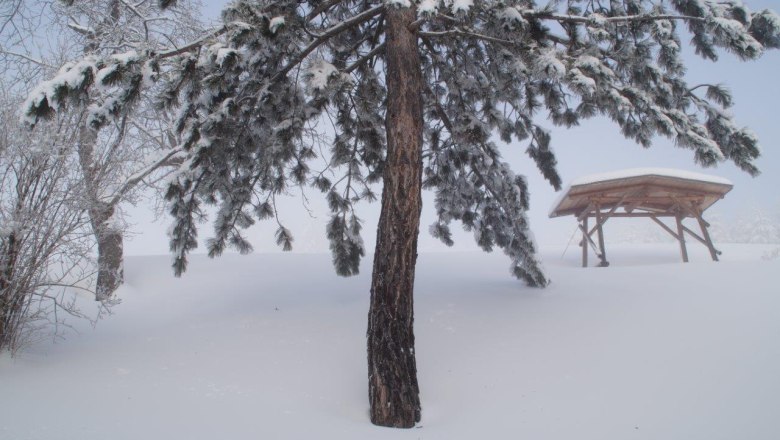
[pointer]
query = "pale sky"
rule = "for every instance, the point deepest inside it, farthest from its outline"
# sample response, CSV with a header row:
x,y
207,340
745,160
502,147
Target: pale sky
x,y
595,147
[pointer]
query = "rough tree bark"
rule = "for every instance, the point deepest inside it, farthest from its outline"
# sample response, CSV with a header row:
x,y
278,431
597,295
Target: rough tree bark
x,y
110,252
109,239
9,301
392,370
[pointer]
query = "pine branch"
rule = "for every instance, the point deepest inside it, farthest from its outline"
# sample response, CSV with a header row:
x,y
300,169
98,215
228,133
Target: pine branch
x,y
374,52
565,18
322,8
461,32
322,38
445,119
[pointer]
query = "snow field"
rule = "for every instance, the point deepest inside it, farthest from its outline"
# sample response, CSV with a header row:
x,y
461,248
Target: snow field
x,y
273,346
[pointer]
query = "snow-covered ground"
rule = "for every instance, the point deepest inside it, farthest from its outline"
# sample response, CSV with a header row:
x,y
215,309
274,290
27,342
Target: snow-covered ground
x,y
272,346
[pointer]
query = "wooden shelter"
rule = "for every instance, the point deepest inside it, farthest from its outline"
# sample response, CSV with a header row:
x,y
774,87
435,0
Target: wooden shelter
x,y
653,193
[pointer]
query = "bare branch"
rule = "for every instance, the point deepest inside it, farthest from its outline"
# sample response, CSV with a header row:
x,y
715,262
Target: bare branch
x,y
322,8
26,57
194,45
141,175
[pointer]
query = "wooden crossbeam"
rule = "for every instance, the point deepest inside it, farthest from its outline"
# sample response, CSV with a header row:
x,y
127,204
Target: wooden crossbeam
x,y
695,235
604,217
703,225
584,214
629,208
647,199
592,243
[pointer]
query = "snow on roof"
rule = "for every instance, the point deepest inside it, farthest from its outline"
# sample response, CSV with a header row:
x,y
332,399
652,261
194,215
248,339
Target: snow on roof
x,y
636,172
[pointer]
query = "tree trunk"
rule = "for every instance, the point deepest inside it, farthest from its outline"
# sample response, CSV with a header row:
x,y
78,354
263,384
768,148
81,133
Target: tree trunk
x,y
10,305
110,253
110,264
392,371
109,239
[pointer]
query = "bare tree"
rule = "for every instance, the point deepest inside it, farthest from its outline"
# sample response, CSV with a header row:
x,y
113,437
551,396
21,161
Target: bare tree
x,y
63,183
45,241
116,157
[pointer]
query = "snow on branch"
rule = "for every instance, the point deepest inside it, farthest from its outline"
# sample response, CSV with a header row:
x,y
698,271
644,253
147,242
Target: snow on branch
x,y
325,36
601,20
197,44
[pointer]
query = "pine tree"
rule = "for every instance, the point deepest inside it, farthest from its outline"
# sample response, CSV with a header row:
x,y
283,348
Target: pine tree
x,y
415,91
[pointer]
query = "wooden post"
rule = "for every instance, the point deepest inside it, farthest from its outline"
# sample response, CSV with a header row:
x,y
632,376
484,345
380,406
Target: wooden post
x,y
706,235
585,242
681,238
600,230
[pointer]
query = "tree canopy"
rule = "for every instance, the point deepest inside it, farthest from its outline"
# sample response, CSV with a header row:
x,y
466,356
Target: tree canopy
x,y
253,94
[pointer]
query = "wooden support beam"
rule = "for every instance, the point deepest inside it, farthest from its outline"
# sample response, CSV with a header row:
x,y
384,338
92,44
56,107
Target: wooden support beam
x,y
636,214
602,218
681,239
695,235
584,242
703,225
629,208
602,248
695,212
590,240
666,228
585,212
583,218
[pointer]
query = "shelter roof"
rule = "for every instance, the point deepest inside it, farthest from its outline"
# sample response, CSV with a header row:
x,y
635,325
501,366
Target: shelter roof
x,y
654,190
